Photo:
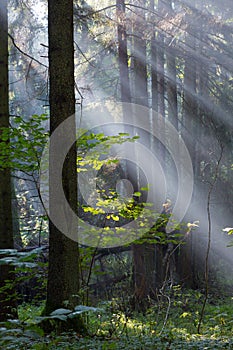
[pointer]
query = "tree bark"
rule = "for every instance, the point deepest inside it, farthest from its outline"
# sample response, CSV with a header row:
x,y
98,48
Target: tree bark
x,y
154,71
140,93
190,112
63,274
160,66
143,253
122,52
7,301
171,85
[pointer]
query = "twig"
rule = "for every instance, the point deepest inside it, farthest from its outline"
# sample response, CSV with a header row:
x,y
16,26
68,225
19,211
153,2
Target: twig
x,y
83,54
79,92
167,312
94,12
211,188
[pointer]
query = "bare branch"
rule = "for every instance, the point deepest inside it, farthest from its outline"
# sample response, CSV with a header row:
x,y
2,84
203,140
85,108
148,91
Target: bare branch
x,y
24,53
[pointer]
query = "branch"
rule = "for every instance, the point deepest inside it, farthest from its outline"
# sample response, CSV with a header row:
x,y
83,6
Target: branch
x,y
24,53
83,54
94,12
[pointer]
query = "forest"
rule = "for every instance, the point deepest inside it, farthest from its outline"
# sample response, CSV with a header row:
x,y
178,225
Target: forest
x,y
116,174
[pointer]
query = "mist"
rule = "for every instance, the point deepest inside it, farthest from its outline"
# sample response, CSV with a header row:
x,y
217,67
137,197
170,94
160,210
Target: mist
x,y
196,34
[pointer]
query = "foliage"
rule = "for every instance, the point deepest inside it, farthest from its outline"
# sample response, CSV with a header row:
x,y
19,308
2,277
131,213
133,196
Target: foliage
x,y
19,259
27,139
29,274
111,327
21,149
96,66
229,231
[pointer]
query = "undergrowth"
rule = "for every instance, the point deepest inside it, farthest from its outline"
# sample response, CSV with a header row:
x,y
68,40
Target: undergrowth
x,y
114,326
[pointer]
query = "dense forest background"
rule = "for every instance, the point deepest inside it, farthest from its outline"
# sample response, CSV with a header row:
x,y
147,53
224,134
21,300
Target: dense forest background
x,y
116,174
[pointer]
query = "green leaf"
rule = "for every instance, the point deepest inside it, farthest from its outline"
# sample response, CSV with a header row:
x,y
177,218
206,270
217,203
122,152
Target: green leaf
x,y
8,260
24,264
84,308
7,251
137,194
145,188
61,312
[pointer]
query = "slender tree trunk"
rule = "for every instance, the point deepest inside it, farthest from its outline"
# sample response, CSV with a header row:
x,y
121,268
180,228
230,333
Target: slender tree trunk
x,y
159,92
122,52
156,260
154,71
171,85
201,128
144,253
160,66
140,94
63,274
161,83
7,302
172,90
15,219
190,112
123,58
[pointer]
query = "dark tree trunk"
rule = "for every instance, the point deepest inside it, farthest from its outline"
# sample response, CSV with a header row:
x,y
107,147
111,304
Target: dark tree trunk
x,y
7,303
154,72
171,85
140,94
63,274
160,55
143,253
160,66
18,243
190,112
122,52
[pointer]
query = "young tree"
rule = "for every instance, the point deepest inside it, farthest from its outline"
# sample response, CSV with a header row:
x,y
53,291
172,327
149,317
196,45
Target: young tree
x,y
63,274
7,303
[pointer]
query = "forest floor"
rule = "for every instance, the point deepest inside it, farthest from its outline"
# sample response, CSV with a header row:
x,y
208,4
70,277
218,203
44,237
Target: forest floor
x,y
169,324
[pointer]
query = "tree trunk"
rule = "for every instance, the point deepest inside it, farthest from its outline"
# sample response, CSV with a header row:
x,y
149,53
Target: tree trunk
x,y
18,243
161,83
154,72
160,66
190,112
7,302
122,52
171,85
140,95
63,274
143,253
